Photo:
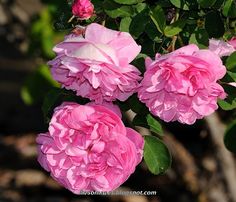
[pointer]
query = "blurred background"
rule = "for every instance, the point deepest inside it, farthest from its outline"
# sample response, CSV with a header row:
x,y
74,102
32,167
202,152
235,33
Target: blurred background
x,y
202,170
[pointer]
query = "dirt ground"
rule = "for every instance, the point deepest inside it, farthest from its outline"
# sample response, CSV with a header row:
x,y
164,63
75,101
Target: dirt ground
x,y
202,170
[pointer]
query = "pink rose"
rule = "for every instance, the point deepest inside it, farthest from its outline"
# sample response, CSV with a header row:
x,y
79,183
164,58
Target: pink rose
x,y
182,85
221,47
232,42
111,106
88,148
83,9
96,65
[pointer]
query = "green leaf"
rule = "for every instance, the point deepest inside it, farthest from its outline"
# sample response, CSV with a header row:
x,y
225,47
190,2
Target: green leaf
x,y
227,106
180,4
125,24
232,75
199,37
174,28
138,23
37,85
156,155
135,105
148,47
115,10
218,4
184,4
158,17
215,30
230,102
206,3
140,7
231,61
148,122
230,137
153,33
154,125
128,2
229,8
164,3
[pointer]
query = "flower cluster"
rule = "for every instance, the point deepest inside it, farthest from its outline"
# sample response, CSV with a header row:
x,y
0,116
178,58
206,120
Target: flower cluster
x,y
87,147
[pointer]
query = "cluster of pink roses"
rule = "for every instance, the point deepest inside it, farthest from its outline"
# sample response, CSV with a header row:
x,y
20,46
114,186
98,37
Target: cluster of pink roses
x,y
88,147
181,85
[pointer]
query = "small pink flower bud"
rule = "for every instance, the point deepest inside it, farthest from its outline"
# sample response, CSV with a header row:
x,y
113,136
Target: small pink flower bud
x,y
82,9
